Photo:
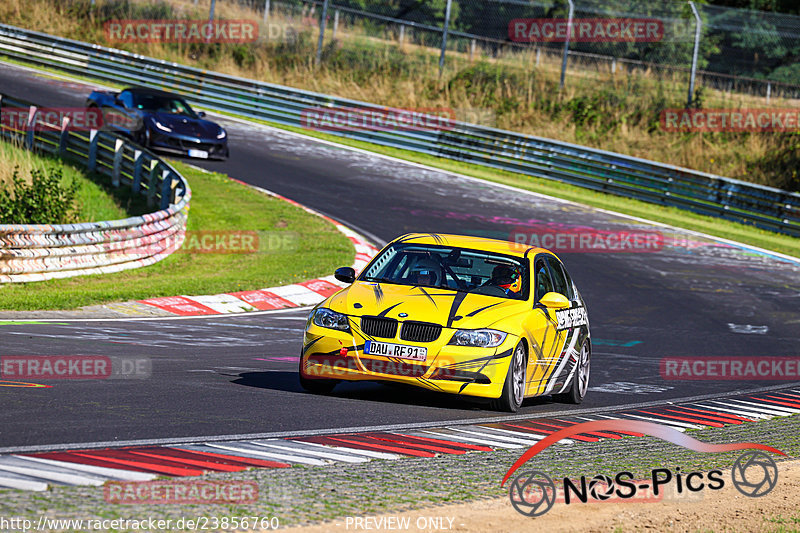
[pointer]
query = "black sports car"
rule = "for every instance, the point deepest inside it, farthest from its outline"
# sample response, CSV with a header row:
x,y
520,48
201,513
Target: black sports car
x,y
160,121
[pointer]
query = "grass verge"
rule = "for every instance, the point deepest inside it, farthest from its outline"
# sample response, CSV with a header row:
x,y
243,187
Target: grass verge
x,y
94,201
293,246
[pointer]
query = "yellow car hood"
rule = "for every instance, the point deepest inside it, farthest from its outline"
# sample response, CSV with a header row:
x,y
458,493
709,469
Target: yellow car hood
x,y
448,308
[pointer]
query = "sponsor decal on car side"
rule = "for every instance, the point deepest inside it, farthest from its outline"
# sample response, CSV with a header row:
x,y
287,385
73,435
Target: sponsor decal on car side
x,y
571,318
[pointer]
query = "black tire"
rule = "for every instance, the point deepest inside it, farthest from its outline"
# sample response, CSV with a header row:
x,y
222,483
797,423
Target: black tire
x,y
316,385
513,393
580,379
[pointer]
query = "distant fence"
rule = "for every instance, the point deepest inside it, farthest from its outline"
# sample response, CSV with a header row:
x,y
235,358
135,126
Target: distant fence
x,y
35,252
728,49
659,183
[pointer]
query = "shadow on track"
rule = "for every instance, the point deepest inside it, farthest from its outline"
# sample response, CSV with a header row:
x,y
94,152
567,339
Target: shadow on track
x,y
394,393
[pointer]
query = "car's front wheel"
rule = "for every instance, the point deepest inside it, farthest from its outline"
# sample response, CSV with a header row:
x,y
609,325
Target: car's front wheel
x,y
580,378
514,387
316,385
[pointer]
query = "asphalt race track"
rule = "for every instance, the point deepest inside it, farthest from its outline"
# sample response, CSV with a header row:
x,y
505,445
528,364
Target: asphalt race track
x,y
227,375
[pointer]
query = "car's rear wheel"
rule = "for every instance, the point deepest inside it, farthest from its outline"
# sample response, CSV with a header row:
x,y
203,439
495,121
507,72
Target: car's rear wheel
x,y
316,385
514,387
580,378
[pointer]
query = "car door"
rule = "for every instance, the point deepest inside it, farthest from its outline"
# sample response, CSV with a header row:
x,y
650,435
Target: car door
x,y
122,116
547,342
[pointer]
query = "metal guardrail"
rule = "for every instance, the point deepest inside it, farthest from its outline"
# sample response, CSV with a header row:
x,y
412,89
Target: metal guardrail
x,y
35,252
708,194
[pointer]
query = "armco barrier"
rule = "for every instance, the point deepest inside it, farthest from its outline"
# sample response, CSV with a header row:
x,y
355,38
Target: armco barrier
x,y
35,252
765,207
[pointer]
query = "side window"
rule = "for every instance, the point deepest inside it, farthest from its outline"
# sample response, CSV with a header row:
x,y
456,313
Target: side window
x,y
543,282
561,282
127,99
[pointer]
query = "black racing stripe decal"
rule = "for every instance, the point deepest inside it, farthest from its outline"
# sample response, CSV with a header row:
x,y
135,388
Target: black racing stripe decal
x,y
383,313
430,383
475,312
493,357
457,300
436,237
310,344
378,291
429,296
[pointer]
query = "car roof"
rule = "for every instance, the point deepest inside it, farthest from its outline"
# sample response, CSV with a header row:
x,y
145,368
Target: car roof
x,y
469,242
155,92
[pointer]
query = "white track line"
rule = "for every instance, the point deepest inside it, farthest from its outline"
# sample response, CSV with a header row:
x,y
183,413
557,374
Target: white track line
x,y
110,473
366,453
49,474
256,453
330,455
12,481
472,438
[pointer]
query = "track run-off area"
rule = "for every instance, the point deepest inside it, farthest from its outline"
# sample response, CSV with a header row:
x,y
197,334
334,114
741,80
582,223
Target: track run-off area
x,y
236,376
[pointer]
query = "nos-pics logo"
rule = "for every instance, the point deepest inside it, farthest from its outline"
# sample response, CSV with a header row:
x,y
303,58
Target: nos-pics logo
x,y
533,493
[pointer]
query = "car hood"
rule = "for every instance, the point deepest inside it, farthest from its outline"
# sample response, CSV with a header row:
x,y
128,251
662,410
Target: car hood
x,y
446,307
183,125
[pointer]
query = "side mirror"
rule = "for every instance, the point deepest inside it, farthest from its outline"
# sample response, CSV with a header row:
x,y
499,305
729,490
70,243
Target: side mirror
x,y
345,274
201,114
553,300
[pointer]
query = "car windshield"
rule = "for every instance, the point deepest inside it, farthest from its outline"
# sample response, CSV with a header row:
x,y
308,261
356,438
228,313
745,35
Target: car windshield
x,y
163,104
459,269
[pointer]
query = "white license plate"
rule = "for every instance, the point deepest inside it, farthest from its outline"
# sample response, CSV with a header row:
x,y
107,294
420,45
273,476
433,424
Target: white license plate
x,y
387,349
202,154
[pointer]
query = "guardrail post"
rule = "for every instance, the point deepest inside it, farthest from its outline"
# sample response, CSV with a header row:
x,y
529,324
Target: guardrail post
x,y
119,148
166,188
321,41
32,112
335,24
538,55
402,35
444,36
697,29
93,139
471,50
566,45
769,90
152,183
64,139
137,171
266,14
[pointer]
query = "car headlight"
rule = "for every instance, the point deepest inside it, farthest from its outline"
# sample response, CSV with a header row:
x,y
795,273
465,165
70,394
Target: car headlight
x,y
325,318
479,338
222,134
161,126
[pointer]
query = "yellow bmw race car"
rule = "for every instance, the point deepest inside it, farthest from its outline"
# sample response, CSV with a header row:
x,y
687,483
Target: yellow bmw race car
x,y
462,315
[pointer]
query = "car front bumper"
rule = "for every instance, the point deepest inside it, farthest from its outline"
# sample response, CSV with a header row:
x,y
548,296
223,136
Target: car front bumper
x,y
468,371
